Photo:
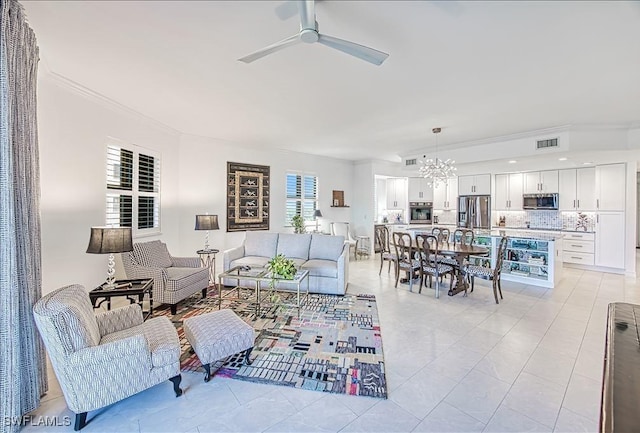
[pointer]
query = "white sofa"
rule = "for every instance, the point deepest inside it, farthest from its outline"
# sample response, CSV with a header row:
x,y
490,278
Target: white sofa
x,y
325,257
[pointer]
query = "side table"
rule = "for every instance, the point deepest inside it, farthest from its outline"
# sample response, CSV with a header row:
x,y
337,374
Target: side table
x,y
128,288
208,260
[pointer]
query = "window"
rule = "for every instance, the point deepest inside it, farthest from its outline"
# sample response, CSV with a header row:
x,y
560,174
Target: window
x,y
133,189
302,196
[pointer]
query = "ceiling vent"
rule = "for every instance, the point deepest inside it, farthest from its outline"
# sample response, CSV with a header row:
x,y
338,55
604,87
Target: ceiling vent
x,y
543,144
413,161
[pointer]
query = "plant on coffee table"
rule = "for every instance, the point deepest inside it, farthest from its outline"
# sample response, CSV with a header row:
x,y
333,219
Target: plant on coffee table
x,y
280,267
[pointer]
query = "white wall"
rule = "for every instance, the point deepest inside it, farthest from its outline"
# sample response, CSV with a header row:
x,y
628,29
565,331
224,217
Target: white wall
x,y
203,168
73,129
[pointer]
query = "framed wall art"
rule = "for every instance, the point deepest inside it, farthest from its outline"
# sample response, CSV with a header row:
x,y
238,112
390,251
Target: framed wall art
x,y
247,197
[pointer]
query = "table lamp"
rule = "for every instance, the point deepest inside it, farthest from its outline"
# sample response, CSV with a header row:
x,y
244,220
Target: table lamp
x,y
109,240
207,222
317,214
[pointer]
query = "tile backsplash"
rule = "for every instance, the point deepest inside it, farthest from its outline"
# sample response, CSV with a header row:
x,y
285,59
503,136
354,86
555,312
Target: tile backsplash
x,y
446,216
547,219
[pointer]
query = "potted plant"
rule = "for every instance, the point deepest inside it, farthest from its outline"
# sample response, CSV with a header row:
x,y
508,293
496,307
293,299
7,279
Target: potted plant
x,y
298,224
280,267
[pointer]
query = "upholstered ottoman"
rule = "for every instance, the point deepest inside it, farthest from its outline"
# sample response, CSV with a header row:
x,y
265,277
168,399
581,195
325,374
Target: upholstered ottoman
x,y
216,335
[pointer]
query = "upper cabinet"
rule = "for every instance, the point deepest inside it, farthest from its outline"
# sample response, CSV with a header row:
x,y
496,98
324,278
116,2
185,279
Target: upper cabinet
x,y
474,185
508,192
610,187
445,195
577,189
537,182
396,193
419,189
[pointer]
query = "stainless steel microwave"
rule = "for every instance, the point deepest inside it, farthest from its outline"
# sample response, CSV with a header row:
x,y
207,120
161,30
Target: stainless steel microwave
x,y
547,201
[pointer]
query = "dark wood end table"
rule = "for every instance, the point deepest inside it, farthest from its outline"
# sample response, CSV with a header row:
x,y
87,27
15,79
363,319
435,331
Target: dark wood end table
x,y
128,288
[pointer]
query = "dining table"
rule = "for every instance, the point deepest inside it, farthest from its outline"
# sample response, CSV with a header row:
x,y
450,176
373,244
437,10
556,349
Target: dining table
x,y
460,252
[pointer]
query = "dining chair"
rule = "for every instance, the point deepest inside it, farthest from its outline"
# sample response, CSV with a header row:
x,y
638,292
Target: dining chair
x,y
429,263
463,236
493,275
406,254
386,255
342,229
442,233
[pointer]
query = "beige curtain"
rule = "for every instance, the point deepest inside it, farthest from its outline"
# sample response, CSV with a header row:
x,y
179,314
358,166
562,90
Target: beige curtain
x,y
22,362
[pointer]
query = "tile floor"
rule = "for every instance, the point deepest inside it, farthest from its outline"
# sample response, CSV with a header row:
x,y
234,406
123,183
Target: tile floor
x,y
454,364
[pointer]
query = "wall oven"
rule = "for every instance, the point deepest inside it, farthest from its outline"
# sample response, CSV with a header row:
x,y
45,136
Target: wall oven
x,y
420,212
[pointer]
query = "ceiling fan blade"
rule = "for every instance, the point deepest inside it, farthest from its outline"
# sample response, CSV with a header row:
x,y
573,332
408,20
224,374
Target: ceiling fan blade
x,y
360,51
291,40
307,10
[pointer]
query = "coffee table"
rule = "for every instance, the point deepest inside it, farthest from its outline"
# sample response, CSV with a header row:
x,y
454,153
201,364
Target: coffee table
x,y
128,288
263,278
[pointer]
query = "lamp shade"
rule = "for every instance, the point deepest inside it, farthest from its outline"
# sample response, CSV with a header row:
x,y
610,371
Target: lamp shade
x,y
106,240
207,222
317,214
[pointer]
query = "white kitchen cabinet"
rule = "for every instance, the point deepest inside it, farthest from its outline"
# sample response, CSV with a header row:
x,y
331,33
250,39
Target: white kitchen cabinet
x,y
474,185
508,191
419,189
578,248
537,182
577,189
610,239
396,193
611,187
445,195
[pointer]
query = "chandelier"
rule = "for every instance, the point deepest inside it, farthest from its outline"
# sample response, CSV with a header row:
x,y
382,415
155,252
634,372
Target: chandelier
x,y
436,170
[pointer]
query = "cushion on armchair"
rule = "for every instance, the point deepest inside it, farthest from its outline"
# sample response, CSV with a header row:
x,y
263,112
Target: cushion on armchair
x,y
152,254
161,337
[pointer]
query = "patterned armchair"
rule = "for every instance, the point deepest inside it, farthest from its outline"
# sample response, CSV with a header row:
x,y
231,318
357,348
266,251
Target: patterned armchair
x,y
102,358
174,278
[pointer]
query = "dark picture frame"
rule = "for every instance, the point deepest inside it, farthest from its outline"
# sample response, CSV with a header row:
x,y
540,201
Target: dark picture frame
x,y
247,197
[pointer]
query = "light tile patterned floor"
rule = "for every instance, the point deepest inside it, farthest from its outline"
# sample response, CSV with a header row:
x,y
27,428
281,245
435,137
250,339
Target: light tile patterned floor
x,y
454,364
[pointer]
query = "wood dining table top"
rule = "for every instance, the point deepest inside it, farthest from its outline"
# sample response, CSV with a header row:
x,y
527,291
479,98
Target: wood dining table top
x,y
457,249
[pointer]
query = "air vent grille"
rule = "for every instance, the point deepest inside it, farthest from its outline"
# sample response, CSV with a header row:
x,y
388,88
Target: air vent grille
x,y
411,161
543,144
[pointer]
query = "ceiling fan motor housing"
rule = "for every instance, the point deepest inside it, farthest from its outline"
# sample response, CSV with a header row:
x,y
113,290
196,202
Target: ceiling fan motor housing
x,y
309,35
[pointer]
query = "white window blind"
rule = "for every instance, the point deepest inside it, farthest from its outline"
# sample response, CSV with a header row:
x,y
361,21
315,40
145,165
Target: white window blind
x,y
133,189
302,196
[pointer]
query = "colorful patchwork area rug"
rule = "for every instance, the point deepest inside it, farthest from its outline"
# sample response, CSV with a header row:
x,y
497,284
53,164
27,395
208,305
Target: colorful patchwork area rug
x,y
334,346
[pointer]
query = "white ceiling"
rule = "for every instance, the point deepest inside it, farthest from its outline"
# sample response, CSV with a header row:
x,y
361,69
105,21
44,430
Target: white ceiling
x,y
477,69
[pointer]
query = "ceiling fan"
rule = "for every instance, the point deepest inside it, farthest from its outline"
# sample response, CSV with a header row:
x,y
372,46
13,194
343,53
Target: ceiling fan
x,y
309,34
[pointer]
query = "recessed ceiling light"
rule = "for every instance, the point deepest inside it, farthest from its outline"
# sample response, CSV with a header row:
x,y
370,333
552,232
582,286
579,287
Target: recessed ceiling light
x,y
587,163
562,159
513,161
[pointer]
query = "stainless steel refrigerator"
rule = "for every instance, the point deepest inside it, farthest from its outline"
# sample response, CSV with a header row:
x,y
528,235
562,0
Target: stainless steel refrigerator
x,y
474,211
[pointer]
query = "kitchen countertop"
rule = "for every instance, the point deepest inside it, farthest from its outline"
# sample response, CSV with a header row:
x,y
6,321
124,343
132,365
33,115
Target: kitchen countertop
x,y
541,229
